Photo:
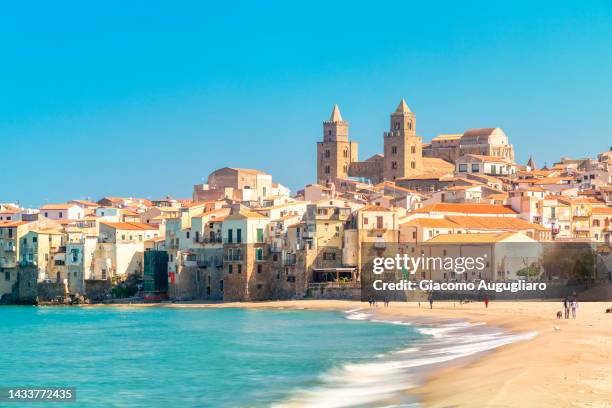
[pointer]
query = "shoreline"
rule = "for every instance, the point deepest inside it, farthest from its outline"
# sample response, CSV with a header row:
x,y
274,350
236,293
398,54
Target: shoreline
x,y
568,364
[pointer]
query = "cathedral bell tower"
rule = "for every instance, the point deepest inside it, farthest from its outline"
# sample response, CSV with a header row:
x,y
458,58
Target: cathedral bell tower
x,y
403,148
335,152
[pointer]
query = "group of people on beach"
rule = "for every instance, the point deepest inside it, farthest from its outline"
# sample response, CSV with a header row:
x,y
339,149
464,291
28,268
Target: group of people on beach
x,y
570,303
373,302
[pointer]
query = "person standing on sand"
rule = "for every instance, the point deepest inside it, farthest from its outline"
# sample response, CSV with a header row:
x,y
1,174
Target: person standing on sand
x,y
574,307
486,302
431,301
566,307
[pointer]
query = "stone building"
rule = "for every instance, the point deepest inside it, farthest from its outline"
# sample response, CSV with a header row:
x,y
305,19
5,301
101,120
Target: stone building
x,y
336,152
482,141
402,146
337,157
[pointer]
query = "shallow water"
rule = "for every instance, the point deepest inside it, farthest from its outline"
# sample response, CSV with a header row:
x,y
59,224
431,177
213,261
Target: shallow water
x,y
133,357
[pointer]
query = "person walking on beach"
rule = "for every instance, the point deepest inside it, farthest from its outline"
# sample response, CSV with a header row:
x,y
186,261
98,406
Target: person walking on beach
x,y
431,301
370,300
486,302
566,307
574,307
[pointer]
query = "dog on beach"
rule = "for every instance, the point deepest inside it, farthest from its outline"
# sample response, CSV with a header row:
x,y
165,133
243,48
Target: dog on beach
x,y
559,315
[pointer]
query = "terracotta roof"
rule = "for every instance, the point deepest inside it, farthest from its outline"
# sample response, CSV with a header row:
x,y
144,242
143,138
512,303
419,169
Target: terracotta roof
x,y
225,211
132,226
485,238
459,188
243,214
85,203
434,164
430,223
11,224
249,171
465,208
494,223
374,208
448,137
57,206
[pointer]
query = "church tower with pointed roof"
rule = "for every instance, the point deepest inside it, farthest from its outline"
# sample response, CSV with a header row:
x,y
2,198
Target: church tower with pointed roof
x,y
403,148
531,163
336,152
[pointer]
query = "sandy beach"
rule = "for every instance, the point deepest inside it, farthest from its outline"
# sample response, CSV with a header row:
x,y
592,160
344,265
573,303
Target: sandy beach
x,y
568,363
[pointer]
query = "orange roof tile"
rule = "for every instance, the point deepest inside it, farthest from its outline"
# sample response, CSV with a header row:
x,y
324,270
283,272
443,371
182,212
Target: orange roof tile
x,y
494,223
132,226
465,208
485,238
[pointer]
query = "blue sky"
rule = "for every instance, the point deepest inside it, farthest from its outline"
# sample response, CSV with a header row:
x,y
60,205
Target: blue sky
x,y
147,98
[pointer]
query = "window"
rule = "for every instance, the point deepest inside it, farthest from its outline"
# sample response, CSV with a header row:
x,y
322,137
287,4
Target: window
x,y
61,214
394,165
221,285
187,235
475,168
327,154
47,214
123,237
365,220
230,236
379,222
260,235
239,268
259,268
7,276
327,171
397,125
239,235
413,149
413,164
259,286
393,149
197,236
346,153
259,254
229,268
34,240
329,256
463,168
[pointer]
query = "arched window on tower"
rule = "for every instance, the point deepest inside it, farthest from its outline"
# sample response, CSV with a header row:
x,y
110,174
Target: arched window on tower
x,y
413,164
345,168
410,125
397,125
346,152
413,149
327,154
327,170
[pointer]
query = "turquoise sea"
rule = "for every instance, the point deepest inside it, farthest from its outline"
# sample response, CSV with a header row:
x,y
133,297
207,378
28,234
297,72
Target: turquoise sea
x,y
163,357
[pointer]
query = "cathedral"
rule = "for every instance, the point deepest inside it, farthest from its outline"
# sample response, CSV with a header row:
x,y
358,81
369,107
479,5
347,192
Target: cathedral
x,y
405,155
